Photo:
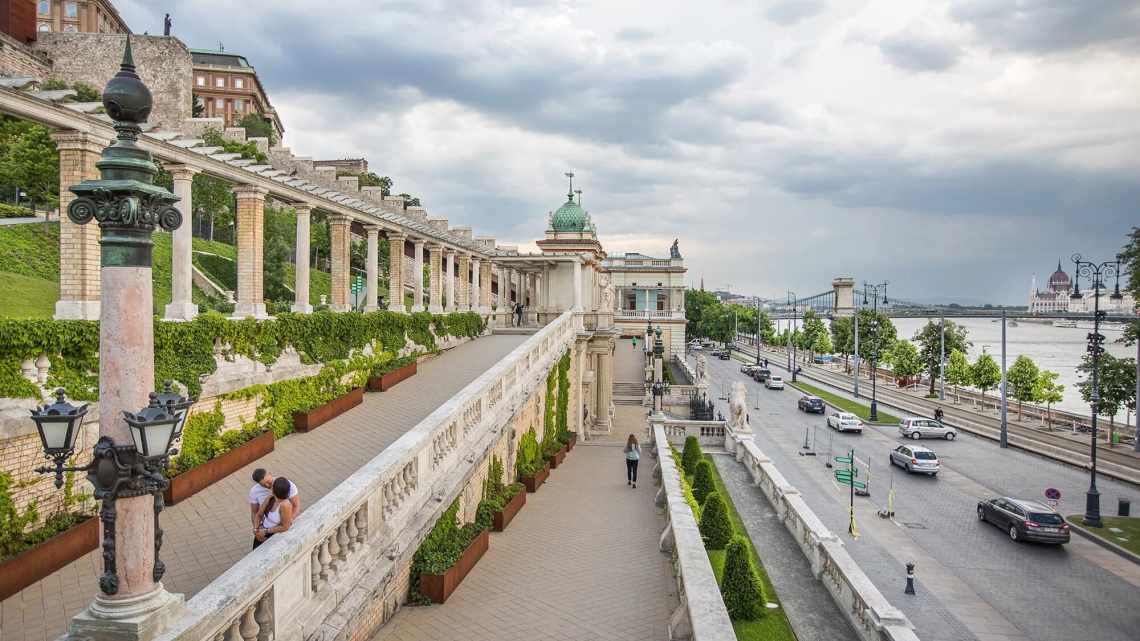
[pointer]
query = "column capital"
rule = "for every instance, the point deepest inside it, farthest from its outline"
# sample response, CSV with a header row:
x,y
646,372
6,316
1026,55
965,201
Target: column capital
x,y
79,141
182,172
339,219
420,242
303,209
395,234
373,230
250,191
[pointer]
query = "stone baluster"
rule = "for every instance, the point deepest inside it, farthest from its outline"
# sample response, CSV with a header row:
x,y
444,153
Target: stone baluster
x,y
335,555
233,633
43,365
28,370
350,530
361,525
264,616
326,561
342,541
315,569
248,627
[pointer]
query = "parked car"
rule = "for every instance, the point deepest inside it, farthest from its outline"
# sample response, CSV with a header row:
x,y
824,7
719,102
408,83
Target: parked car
x,y
811,404
761,375
1025,520
917,428
723,355
821,359
695,346
845,422
916,458
774,382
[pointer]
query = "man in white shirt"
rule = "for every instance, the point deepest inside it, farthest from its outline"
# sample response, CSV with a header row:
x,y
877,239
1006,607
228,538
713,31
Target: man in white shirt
x,y
262,489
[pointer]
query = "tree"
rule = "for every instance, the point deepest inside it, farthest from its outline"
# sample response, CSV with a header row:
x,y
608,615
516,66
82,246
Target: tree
x,y
29,160
717,324
822,344
876,334
1022,381
930,345
214,198
1116,386
715,526
698,304
1130,262
691,455
985,373
842,338
740,585
256,126
703,483
197,107
958,372
369,179
905,360
814,329
1047,390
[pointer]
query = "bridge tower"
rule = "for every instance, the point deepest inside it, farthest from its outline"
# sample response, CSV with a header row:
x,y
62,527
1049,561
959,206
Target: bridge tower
x,y
844,287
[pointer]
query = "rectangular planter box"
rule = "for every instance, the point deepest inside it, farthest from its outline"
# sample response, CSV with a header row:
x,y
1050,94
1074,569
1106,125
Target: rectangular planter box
x,y
556,460
198,478
385,382
532,483
500,520
438,587
38,561
573,441
310,420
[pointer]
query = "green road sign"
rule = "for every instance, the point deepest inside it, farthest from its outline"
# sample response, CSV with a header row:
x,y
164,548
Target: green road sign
x,y
859,485
847,473
357,284
843,459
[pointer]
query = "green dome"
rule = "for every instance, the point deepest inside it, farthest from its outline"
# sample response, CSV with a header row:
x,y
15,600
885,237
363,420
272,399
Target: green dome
x,y
569,217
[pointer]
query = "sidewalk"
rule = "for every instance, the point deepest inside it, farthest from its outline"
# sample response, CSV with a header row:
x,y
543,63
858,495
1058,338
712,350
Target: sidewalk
x,y
207,533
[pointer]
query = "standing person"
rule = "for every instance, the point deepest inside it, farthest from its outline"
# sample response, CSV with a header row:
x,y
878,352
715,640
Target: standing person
x,y
519,313
632,456
938,414
262,490
276,514
635,342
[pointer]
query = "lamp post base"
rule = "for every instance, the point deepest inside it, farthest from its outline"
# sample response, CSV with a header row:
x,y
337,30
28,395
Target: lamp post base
x,y
135,618
1092,509
874,411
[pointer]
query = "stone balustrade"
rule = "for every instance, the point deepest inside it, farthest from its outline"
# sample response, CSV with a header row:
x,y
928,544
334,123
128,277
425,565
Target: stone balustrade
x,y
869,612
707,432
701,615
341,571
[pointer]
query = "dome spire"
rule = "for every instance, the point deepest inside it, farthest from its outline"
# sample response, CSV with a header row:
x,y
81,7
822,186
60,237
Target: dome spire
x,y
570,194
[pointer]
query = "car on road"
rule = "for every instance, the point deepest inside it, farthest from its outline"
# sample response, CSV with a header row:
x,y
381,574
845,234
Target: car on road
x,y
821,359
695,346
774,382
748,368
811,405
1025,520
762,374
916,428
916,458
723,355
845,422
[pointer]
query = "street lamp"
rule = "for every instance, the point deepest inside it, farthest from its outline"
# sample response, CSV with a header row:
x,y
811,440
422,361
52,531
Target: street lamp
x,y
794,302
874,290
1097,274
58,425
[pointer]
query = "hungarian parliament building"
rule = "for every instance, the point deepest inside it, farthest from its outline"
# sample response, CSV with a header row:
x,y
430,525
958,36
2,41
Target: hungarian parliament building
x,y
1057,297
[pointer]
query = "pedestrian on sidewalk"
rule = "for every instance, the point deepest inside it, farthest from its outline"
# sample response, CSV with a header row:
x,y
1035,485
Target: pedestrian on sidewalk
x,y
276,514
262,489
635,342
632,457
938,414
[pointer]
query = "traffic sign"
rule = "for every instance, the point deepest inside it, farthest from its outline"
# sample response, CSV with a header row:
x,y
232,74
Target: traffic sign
x,y
859,485
357,284
854,472
843,459
1053,494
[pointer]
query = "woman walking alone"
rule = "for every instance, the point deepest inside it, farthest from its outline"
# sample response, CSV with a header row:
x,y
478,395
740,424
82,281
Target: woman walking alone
x,y
632,456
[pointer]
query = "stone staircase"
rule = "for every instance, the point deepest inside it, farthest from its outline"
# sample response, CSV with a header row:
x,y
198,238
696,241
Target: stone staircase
x,y
628,393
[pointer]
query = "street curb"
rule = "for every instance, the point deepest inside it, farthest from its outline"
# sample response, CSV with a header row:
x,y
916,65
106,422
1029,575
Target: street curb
x,y
1104,543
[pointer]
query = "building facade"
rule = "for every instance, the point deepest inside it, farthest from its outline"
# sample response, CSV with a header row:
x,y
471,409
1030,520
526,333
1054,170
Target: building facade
x,y
226,86
650,291
78,16
1057,298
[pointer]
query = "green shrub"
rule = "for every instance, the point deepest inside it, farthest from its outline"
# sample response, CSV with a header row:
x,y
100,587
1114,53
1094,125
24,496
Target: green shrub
x,y
441,548
703,483
740,586
692,455
12,211
563,403
12,520
715,525
527,457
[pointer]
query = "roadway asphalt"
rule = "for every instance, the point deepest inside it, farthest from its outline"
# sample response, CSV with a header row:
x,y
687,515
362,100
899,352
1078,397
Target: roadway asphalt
x,y
973,582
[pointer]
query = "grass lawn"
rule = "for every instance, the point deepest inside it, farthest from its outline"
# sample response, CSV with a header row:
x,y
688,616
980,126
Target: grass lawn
x,y
27,296
856,408
1129,524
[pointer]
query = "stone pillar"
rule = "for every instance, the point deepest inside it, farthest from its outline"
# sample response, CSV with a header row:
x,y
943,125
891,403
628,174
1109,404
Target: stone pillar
x,y
301,303
449,278
340,241
504,287
844,295
485,287
546,289
577,286
396,271
605,388
418,270
475,284
78,244
182,306
250,251
372,269
435,278
464,287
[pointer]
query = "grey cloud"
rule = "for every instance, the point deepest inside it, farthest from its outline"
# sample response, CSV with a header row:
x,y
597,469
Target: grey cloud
x,y
789,12
634,34
915,53
1044,26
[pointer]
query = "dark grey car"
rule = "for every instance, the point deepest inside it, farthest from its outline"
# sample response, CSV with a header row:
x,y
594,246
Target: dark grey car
x,y
1025,520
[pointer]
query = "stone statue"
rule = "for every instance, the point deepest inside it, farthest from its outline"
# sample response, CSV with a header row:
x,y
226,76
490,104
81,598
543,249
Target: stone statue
x,y
702,370
608,295
738,408
674,251
166,24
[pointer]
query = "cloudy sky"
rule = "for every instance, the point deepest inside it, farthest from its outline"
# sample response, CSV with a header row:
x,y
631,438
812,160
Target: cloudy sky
x,y
952,148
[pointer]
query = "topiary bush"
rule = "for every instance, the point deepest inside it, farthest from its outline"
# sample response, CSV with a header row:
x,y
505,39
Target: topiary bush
x,y
691,455
716,528
740,585
703,483
526,460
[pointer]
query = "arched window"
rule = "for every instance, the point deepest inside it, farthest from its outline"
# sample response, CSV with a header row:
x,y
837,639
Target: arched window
x,y
45,27
44,9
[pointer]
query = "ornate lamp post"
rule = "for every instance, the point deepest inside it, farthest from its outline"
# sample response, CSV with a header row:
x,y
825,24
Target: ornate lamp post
x,y
134,443
874,289
794,302
1097,273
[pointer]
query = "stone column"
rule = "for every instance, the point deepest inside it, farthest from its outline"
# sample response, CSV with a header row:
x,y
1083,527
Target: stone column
x,y
181,305
418,270
577,286
78,244
485,287
372,269
605,390
546,289
250,251
435,278
340,240
504,287
301,303
396,271
464,294
449,278
475,284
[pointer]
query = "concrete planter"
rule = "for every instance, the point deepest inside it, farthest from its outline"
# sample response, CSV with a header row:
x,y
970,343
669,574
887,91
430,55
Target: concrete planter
x,y
39,561
198,478
310,420
532,483
573,441
385,382
556,459
438,587
501,519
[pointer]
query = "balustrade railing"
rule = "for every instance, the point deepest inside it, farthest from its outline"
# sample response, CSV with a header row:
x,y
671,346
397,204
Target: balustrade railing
x,y
360,535
707,432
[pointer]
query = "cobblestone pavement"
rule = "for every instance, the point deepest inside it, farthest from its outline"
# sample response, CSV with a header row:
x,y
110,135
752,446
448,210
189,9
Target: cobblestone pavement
x,y
811,610
205,534
579,562
973,582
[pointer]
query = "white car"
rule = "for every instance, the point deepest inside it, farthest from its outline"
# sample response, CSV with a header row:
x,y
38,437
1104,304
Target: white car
x,y
774,382
747,368
845,422
917,428
916,458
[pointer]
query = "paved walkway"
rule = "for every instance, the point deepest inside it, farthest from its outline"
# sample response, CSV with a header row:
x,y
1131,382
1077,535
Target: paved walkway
x,y
629,362
209,532
579,562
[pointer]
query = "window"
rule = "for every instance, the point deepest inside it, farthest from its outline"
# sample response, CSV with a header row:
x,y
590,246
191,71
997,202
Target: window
x,y
237,104
220,82
70,28
219,103
70,10
630,300
201,81
44,8
926,456
239,83
662,301
44,27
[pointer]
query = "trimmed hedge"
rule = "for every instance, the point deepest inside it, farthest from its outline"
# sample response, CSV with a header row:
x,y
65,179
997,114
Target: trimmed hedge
x,y
703,483
740,586
12,211
691,455
715,525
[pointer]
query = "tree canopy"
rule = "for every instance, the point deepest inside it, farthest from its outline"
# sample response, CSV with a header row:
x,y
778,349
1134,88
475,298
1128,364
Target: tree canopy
x,y
985,373
1022,379
930,349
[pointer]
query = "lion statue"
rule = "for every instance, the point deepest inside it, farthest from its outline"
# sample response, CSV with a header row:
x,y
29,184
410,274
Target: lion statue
x,y
738,408
702,372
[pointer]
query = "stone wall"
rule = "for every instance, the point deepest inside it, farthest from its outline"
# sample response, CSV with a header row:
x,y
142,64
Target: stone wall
x,y
164,64
17,59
